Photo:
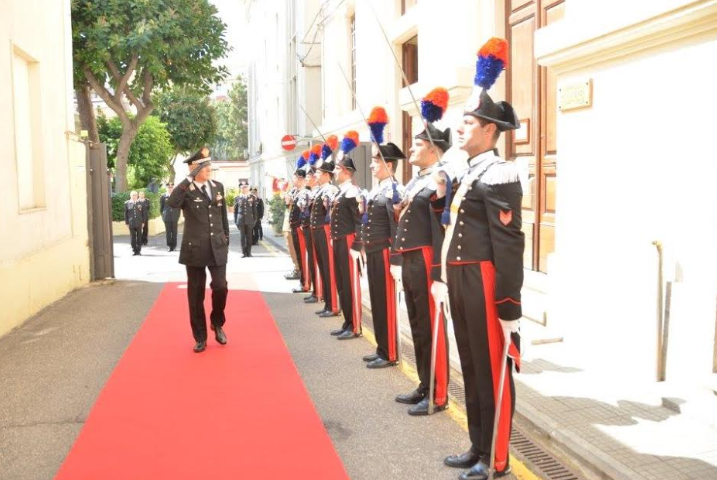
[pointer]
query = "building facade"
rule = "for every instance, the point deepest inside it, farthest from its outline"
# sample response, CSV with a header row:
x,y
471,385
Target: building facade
x,y
43,215
594,95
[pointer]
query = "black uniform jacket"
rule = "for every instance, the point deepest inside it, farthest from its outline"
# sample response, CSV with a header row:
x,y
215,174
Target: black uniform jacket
x,y
419,225
487,226
295,209
379,231
245,210
135,213
205,242
169,214
322,205
345,219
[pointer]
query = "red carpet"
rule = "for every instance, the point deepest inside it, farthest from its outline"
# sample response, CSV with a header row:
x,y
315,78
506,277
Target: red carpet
x,y
238,411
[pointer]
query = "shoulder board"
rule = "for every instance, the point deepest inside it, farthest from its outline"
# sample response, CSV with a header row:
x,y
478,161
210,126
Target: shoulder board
x,y
501,173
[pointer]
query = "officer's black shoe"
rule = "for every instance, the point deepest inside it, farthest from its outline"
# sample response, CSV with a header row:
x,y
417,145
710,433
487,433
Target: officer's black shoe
x,y
337,332
479,471
220,335
298,290
370,358
311,299
463,460
328,313
348,335
422,408
200,347
243,255
380,363
411,398
323,310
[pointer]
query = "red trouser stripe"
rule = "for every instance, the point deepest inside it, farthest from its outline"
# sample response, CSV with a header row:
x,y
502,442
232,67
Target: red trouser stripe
x,y
496,342
355,286
441,367
317,275
332,274
304,259
391,317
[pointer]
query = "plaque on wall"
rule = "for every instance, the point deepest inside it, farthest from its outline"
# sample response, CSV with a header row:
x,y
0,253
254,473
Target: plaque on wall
x,y
576,95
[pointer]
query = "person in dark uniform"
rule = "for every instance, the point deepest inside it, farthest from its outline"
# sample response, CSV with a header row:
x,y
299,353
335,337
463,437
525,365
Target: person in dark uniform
x,y
170,217
482,268
136,216
295,217
305,204
419,241
258,232
345,233
245,218
321,231
205,245
377,233
145,228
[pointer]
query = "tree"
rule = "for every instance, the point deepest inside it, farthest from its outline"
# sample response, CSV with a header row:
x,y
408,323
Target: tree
x,y
231,139
190,119
149,154
124,49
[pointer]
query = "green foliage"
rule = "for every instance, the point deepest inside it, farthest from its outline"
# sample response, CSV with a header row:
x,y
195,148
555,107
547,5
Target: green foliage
x,y
149,155
190,119
175,41
118,200
277,210
231,194
231,138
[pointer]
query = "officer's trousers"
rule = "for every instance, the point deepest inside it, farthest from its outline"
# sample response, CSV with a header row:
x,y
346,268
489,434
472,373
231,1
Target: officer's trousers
x,y
196,285
135,235
479,337
381,289
347,283
325,260
170,229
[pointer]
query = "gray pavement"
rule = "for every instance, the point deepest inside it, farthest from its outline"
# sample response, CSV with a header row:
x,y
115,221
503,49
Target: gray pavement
x,y
53,367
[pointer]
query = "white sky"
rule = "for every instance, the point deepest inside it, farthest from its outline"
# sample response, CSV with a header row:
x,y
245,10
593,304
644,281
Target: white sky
x,y
232,13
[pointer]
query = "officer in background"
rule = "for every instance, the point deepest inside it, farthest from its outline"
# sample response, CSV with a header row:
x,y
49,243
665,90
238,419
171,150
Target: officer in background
x,y
482,269
170,217
135,217
205,245
245,218
145,227
258,232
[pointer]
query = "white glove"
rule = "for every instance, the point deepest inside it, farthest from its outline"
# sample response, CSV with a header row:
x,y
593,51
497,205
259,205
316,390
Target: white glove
x,y
509,326
439,290
396,272
355,254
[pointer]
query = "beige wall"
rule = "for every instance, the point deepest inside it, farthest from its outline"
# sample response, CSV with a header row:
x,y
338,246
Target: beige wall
x,y
43,249
636,167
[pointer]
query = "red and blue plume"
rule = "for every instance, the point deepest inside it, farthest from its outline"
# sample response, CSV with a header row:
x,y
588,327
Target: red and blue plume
x,y
315,154
329,147
377,121
492,59
302,159
350,141
434,104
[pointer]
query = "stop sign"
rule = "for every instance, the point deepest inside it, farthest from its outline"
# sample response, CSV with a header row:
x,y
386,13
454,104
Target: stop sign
x,y
288,142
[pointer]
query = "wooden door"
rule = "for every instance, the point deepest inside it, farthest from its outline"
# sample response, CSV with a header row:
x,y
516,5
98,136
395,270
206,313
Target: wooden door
x,y
531,91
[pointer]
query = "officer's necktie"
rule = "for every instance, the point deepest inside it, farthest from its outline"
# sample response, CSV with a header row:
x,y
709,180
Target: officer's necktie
x,y
204,191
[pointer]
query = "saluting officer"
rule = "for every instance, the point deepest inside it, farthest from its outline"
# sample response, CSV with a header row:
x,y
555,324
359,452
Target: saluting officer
x,y
136,216
345,224
482,263
321,231
245,218
205,245
418,242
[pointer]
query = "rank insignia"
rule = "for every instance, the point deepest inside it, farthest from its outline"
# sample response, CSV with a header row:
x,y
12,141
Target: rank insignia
x,y
506,217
